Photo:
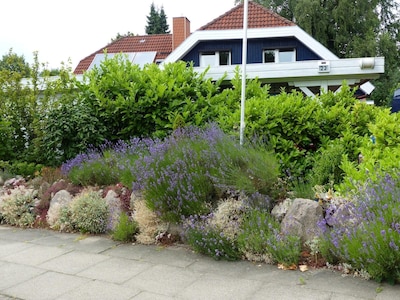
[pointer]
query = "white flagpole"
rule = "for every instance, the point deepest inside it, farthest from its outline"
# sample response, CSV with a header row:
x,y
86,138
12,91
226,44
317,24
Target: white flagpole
x,y
244,62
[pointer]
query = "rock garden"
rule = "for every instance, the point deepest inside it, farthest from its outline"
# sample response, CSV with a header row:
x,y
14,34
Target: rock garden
x,y
152,156
199,188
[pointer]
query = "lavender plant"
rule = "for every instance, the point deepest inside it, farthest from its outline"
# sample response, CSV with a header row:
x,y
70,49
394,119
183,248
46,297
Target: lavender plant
x,y
176,175
108,164
208,239
366,231
183,175
262,239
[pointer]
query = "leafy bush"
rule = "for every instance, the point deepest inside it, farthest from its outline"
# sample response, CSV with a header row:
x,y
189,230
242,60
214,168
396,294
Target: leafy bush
x,y
25,169
295,127
326,167
366,231
67,130
126,229
18,113
89,213
145,102
380,152
6,151
5,170
286,123
18,208
261,239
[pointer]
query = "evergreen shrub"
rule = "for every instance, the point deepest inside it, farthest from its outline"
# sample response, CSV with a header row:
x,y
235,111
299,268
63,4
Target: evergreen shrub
x,y
89,213
18,208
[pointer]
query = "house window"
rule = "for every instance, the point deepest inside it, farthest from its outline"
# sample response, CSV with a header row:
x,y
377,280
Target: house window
x,y
224,58
215,58
269,56
279,55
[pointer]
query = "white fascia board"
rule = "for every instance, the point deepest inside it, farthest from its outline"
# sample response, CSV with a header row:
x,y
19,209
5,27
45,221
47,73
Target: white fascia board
x,y
42,81
270,32
340,69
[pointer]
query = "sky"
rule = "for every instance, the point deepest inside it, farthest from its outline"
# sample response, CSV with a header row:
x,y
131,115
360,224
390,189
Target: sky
x,y
73,29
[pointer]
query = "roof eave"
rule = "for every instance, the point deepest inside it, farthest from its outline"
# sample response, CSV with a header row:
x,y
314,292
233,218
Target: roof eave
x,y
305,71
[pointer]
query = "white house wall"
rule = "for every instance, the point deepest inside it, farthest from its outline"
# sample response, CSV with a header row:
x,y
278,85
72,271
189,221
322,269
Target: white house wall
x,y
340,69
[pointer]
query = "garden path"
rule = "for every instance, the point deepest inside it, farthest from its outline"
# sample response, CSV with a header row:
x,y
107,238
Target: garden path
x,y
44,264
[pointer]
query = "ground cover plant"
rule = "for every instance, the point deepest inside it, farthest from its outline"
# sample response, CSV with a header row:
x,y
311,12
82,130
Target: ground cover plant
x,y
126,229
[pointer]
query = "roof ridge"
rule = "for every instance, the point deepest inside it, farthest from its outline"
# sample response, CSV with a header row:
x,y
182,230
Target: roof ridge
x,y
251,4
221,16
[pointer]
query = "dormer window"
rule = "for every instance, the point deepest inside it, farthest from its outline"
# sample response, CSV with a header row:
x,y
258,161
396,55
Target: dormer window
x,y
215,58
279,55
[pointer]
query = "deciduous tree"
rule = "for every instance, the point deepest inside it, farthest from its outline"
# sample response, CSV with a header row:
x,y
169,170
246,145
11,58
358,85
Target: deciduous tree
x,y
351,29
13,62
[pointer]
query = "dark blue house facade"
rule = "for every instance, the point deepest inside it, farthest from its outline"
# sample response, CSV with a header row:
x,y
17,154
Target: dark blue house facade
x,y
256,50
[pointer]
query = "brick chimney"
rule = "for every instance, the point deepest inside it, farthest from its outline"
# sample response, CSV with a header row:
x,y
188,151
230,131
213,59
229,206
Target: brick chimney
x,y
180,31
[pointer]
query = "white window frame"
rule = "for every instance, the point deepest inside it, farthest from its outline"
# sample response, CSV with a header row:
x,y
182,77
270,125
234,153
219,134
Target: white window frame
x,y
212,58
277,57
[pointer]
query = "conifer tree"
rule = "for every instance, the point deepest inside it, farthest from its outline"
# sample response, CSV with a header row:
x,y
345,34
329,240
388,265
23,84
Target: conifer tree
x,y
163,21
156,21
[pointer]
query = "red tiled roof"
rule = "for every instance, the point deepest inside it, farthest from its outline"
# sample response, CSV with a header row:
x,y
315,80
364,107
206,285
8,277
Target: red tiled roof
x,y
258,17
160,43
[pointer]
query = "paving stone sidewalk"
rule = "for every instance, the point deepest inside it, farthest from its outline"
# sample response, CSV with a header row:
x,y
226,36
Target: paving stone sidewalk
x,y
44,264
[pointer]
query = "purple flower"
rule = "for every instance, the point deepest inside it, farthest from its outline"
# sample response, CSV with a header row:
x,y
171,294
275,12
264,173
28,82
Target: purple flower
x,y
393,246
